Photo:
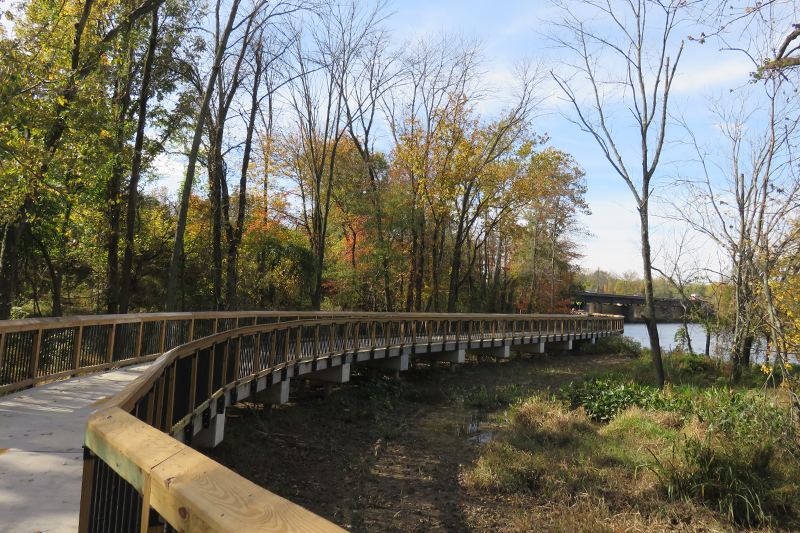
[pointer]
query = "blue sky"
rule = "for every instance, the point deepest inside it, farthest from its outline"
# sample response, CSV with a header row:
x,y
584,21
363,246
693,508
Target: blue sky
x,y
511,30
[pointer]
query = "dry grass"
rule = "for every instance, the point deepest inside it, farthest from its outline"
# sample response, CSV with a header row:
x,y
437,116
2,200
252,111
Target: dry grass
x,y
566,473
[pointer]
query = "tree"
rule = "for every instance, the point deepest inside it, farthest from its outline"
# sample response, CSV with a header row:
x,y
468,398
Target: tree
x,y
439,74
743,200
317,99
638,37
32,147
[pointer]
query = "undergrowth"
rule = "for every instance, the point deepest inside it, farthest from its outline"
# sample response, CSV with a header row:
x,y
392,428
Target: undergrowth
x,y
703,445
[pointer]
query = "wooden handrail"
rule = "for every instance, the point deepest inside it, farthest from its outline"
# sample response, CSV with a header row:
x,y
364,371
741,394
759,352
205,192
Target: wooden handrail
x,y
93,343
134,440
37,350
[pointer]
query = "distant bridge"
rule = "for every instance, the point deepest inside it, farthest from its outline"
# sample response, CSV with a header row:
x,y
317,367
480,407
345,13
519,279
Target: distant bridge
x,y
632,307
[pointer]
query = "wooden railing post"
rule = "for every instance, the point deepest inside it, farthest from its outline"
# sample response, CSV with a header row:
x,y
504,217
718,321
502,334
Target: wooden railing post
x,y
144,520
110,348
170,384
193,381
316,340
76,350
33,367
86,490
162,384
274,337
3,337
191,329
163,336
237,358
139,331
299,343
256,353
212,356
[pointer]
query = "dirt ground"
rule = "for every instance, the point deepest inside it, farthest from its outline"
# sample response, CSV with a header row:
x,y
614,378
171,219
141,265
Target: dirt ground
x,y
385,456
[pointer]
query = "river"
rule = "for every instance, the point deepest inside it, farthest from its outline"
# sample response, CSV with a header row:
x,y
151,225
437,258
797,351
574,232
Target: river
x,y
666,336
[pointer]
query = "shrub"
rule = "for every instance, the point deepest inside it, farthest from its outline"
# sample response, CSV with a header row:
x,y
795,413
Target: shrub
x,y
693,363
734,461
603,399
616,345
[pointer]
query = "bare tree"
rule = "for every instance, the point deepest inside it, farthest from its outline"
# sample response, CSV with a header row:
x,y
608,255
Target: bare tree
x,y
639,38
744,199
323,57
377,72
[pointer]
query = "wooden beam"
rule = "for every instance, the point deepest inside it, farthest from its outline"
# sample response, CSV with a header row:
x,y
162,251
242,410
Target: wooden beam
x,y
76,353
33,367
195,494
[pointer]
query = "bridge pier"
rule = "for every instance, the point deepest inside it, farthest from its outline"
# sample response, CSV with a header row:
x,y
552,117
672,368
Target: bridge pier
x,y
559,346
498,352
330,376
536,347
275,395
453,357
395,365
212,435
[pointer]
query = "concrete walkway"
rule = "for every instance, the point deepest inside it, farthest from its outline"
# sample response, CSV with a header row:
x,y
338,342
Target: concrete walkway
x,y
41,459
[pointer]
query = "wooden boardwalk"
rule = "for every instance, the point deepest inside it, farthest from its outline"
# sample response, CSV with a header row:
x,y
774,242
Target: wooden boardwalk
x,y
138,471
41,455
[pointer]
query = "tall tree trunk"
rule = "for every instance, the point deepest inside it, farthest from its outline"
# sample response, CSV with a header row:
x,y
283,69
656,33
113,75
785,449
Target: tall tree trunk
x,y
650,303
215,177
122,100
56,278
136,166
234,233
9,256
455,265
186,191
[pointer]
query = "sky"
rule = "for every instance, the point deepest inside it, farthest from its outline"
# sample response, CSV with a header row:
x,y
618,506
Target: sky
x,y
512,30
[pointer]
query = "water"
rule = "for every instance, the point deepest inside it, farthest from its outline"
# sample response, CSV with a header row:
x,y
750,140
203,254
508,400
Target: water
x,y
720,347
666,335
464,424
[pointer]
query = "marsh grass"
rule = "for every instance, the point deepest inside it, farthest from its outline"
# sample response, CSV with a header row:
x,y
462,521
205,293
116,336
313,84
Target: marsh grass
x,y
714,454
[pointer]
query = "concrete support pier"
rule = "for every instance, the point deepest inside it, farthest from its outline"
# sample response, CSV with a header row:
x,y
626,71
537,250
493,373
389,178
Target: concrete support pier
x,y
559,346
498,352
536,347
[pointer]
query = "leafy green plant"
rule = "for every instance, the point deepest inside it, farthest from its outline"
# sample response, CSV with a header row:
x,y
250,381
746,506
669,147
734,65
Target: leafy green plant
x,y
603,399
482,398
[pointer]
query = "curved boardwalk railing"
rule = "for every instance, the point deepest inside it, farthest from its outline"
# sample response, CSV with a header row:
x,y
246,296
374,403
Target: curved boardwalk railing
x,y
139,472
36,350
